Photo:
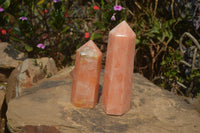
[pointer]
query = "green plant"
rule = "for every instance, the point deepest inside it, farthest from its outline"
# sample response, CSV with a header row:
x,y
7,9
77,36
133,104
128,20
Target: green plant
x,y
181,68
43,68
171,77
154,35
157,54
190,49
55,28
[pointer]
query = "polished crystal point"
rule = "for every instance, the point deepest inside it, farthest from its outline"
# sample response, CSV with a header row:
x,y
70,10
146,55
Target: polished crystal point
x,y
118,75
85,86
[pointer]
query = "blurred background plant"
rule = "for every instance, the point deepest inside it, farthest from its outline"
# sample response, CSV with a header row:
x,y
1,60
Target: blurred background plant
x,y
167,50
163,28
55,28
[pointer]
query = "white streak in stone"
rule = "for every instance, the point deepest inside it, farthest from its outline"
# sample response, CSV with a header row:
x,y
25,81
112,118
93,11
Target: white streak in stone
x,y
87,52
122,35
17,91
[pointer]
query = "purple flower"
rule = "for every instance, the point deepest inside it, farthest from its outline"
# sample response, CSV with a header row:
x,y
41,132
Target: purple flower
x,y
117,8
1,9
113,17
55,1
40,45
23,18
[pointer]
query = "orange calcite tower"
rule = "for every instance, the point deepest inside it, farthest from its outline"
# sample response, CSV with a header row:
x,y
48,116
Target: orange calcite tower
x,y
85,86
118,75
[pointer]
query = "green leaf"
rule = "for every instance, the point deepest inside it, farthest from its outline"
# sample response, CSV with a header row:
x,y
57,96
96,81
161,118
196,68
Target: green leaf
x,y
17,31
6,4
40,2
155,30
167,33
163,63
137,41
188,42
102,3
28,48
142,24
65,29
169,23
156,23
15,39
151,34
78,46
99,25
95,36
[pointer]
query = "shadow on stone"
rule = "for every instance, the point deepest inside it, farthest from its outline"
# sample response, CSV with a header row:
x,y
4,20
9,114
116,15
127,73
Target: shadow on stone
x,y
100,93
44,85
13,53
5,73
3,118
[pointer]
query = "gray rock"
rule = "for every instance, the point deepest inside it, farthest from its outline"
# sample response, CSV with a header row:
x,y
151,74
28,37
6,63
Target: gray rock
x,y
46,107
28,73
10,57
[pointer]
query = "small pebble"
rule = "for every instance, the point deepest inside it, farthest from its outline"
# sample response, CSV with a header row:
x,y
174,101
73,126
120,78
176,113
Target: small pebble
x,y
1,87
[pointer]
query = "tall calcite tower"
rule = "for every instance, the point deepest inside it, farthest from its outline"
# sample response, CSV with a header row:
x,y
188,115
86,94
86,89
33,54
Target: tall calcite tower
x,y
118,75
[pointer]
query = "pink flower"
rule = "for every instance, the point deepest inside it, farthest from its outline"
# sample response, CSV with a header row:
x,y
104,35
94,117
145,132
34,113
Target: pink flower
x,y
40,45
44,37
66,15
113,17
117,8
87,35
23,18
9,30
44,11
55,1
1,9
95,7
3,31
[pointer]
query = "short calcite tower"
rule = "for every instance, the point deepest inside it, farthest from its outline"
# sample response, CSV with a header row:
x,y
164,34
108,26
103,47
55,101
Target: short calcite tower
x,y
85,86
118,75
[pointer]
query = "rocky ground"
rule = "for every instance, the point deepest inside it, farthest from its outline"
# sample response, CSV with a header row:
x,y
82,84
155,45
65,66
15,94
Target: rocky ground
x,y
18,73
9,60
47,107
34,102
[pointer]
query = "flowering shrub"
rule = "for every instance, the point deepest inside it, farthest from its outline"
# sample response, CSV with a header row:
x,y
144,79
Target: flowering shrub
x,y
57,27
159,26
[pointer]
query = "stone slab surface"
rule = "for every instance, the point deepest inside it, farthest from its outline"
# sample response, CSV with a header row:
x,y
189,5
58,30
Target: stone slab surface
x,y
46,107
